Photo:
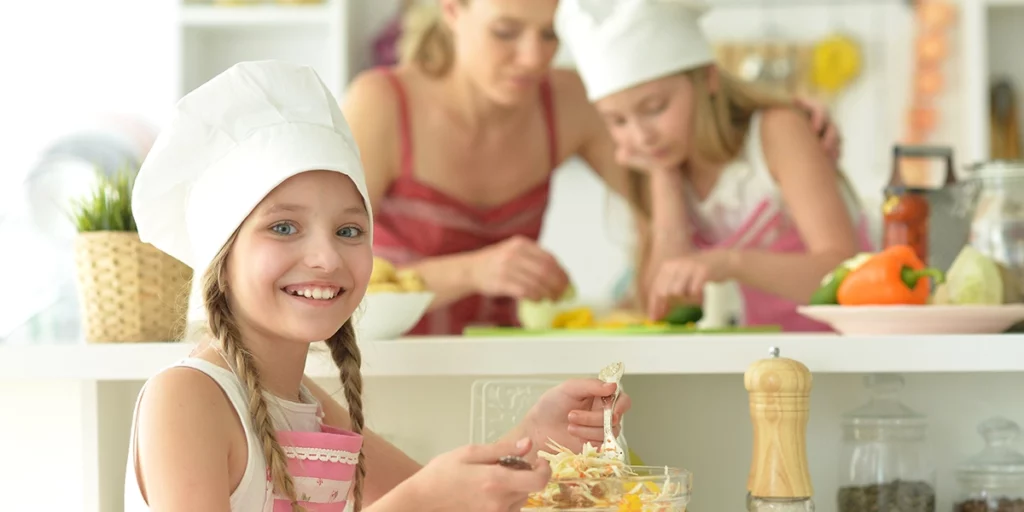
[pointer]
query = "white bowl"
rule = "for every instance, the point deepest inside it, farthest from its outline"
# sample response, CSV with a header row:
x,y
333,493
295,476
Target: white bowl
x,y
927,319
389,315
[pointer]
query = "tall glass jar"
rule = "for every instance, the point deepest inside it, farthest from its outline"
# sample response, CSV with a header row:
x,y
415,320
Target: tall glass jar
x,y
905,215
993,479
885,461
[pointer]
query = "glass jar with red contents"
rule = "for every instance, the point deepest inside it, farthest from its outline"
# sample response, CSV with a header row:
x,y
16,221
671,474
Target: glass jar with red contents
x,y
905,217
906,209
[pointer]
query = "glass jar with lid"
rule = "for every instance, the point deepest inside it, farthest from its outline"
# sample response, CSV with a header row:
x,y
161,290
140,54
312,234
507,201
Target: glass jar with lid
x,y
995,197
993,479
885,463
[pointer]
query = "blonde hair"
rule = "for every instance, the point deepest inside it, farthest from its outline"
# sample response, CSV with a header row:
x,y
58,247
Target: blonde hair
x,y
344,352
426,41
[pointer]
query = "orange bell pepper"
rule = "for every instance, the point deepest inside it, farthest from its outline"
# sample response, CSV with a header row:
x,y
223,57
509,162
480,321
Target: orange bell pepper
x,y
895,276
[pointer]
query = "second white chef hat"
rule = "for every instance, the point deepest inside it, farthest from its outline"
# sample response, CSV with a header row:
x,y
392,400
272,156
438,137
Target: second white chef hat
x,y
618,44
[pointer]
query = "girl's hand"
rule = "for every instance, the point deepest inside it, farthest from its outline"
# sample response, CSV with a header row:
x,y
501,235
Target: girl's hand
x,y
520,269
571,414
630,159
683,279
469,478
827,131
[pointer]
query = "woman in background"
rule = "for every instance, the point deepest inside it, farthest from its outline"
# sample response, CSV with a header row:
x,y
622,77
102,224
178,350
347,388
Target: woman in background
x,y
459,143
729,179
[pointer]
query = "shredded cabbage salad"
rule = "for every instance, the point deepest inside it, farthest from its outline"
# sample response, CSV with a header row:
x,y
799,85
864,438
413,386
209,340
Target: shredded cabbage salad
x,y
588,481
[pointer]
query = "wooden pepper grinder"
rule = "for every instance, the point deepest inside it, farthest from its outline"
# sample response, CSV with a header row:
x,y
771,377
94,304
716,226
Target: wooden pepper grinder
x,y
780,394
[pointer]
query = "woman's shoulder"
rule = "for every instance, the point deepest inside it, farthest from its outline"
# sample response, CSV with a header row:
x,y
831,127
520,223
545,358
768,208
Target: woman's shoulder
x,y
575,115
567,89
372,88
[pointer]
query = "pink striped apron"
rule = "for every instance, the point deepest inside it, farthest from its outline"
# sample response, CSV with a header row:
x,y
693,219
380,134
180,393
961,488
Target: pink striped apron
x,y
773,231
322,465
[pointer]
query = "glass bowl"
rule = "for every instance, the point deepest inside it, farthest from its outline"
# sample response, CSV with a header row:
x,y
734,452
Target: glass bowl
x,y
648,489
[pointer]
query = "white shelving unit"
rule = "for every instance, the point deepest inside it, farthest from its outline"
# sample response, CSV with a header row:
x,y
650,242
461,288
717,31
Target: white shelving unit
x,y
684,388
214,37
456,356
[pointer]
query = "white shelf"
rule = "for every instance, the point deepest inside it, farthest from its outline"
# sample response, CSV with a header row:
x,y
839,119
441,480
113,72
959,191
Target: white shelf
x,y
215,37
256,16
1004,3
644,355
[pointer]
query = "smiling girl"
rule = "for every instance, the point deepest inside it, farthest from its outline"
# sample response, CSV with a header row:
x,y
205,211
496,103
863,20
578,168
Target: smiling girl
x,y
257,185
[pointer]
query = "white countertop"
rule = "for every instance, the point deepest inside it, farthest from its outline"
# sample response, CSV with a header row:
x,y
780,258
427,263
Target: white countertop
x,y
522,356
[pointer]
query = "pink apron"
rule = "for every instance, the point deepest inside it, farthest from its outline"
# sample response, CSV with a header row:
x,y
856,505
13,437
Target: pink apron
x,y
773,232
322,465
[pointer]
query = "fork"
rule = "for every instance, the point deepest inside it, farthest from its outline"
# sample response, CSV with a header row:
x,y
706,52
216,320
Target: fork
x,y
610,448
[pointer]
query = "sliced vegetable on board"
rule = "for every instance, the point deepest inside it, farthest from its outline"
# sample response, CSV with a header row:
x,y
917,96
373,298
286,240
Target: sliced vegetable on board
x,y
827,293
540,314
895,276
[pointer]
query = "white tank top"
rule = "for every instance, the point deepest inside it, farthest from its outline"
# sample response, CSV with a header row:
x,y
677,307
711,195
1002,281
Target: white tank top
x,y
743,186
253,494
738,212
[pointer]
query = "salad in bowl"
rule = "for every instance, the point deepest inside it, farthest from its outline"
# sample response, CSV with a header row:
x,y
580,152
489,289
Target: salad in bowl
x,y
590,482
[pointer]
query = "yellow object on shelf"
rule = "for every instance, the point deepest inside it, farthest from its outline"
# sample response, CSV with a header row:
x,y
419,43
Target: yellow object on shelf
x,y
837,61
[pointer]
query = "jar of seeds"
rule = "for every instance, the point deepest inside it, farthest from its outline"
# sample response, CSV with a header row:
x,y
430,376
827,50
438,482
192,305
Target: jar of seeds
x,y
993,479
885,462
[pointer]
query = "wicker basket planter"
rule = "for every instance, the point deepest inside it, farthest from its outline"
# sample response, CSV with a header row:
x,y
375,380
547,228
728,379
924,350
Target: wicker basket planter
x,y
129,291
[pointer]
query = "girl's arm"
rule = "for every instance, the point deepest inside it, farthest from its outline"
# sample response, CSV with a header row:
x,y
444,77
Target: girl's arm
x,y
183,439
386,465
810,190
372,110
670,233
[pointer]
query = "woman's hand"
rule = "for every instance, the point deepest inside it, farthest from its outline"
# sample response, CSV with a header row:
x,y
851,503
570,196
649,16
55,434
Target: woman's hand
x,y
827,131
571,414
469,478
683,279
518,268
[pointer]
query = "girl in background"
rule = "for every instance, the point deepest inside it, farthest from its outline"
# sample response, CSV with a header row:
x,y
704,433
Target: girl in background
x,y
257,185
728,180
460,142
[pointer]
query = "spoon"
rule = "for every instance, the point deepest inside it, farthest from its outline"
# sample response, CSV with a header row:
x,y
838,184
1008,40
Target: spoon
x,y
610,448
514,462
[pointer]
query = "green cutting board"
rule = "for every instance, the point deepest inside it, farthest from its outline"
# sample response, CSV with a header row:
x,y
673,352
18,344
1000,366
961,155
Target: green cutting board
x,y
618,331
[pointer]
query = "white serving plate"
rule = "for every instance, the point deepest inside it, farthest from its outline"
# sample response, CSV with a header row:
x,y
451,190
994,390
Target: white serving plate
x,y
927,319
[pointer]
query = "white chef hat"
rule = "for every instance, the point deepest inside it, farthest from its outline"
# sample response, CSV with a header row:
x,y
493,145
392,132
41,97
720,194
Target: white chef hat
x,y
617,44
229,143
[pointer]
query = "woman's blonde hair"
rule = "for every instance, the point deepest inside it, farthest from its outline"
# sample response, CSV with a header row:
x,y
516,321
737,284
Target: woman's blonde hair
x,y
343,349
426,41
